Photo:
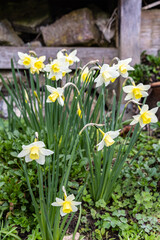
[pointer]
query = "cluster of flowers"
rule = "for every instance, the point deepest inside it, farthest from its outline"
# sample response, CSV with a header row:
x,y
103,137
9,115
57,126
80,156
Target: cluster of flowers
x,y
56,69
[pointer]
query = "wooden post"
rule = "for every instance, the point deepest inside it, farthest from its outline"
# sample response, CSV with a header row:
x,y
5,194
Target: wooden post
x,y
129,32
130,25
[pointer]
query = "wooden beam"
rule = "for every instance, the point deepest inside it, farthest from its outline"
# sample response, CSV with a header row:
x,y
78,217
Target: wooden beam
x,y
85,54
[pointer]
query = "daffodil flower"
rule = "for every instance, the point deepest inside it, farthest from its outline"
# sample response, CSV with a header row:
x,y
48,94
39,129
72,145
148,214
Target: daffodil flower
x,y
35,151
71,58
136,92
107,74
146,116
37,65
57,69
56,94
123,67
25,59
85,75
67,205
107,138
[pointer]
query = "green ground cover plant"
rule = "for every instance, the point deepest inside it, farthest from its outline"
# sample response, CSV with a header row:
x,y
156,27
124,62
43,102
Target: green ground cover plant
x,y
133,211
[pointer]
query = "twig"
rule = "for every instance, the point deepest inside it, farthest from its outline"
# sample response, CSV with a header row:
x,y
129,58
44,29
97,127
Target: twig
x,y
151,5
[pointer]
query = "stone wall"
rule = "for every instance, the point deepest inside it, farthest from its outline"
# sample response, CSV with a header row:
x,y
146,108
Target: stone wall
x,y
32,23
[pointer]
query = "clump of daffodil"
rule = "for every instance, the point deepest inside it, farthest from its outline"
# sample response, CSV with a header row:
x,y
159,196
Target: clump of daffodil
x,y
25,59
136,92
146,116
123,67
37,65
70,58
57,68
56,94
35,151
107,138
107,74
67,205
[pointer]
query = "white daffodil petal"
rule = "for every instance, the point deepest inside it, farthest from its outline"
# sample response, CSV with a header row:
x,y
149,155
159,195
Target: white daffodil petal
x,y
144,108
50,89
128,89
39,144
125,75
41,159
107,83
143,87
128,60
55,204
48,100
100,145
59,200
21,55
58,76
104,68
114,134
75,203
42,58
70,197
129,68
74,208
62,213
73,53
141,122
97,79
153,110
23,153
60,90
45,152
28,159
134,122
128,96
99,83
144,94
136,117
146,87
51,74
60,55
60,101
154,119
115,74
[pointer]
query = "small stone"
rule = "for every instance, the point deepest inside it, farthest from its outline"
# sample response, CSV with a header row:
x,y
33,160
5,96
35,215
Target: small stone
x,y
75,28
34,44
8,36
71,237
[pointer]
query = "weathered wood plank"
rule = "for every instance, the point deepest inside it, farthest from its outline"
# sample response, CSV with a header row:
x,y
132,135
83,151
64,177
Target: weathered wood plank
x,y
85,54
150,31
